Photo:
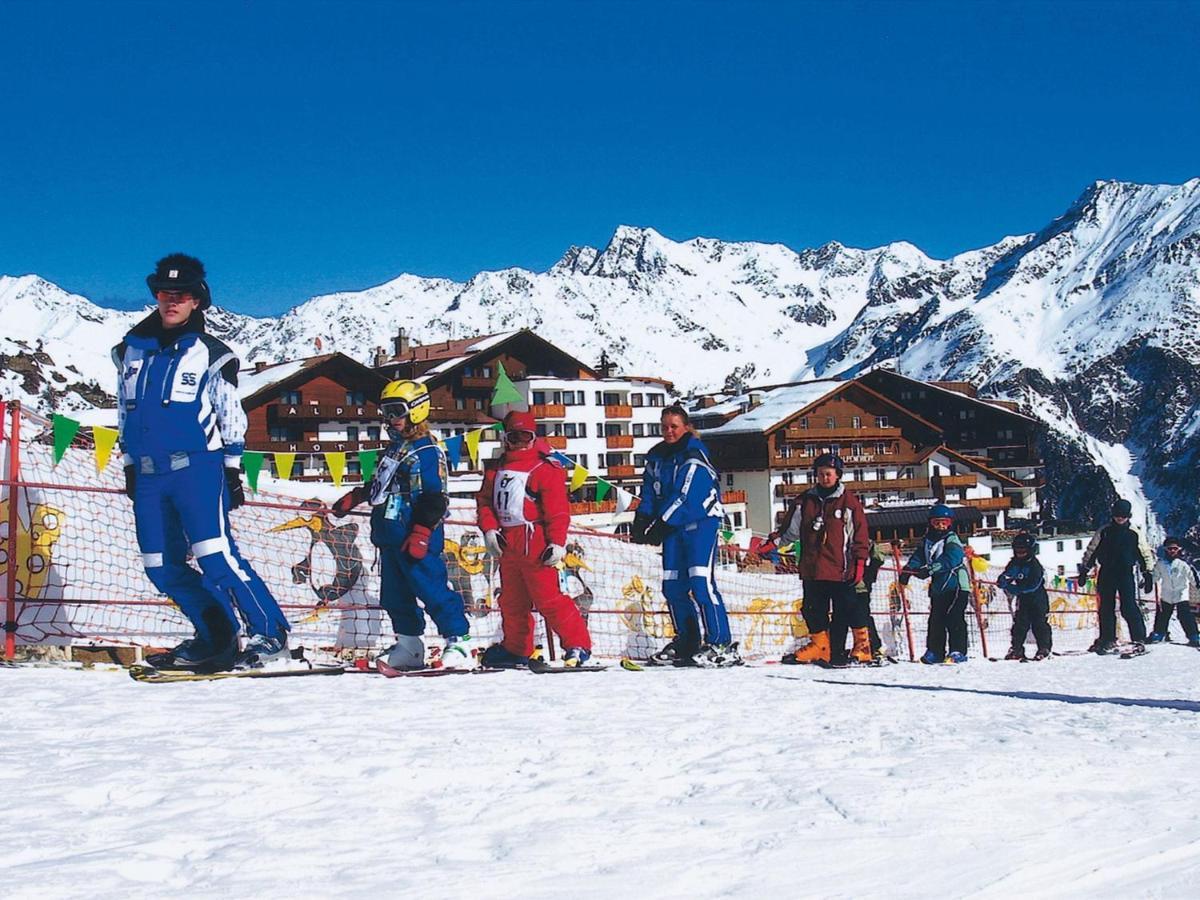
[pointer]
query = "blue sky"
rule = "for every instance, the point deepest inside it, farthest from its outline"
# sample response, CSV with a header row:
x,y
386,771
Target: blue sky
x,y
305,147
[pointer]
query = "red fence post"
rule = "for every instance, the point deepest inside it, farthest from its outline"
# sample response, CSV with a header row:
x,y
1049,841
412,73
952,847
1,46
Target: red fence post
x,y
10,581
912,650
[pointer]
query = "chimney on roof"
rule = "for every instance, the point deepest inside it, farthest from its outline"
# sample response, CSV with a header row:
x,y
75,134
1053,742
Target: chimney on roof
x,y
756,399
259,366
605,367
400,342
380,358
707,401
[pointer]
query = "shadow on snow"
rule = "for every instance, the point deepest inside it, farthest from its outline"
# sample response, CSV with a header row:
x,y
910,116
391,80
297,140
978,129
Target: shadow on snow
x,y
1180,705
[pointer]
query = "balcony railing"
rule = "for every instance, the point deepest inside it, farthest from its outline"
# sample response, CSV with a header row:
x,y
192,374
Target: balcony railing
x,y
841,434
461,416
557,441
293,411
334,446
888,484
618,412
619,442
548,411
593,507
988,503
474,381
969,480
621,471
733,497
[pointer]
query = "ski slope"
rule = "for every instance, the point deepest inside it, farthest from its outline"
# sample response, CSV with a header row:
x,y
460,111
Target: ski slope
x,y
1074,777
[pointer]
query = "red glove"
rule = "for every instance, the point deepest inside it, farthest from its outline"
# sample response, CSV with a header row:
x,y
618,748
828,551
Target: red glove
x,y
859,568
348,501
767,546
416,544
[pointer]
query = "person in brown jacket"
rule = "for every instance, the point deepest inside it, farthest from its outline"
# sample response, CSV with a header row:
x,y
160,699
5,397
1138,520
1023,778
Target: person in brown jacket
x,y
831,526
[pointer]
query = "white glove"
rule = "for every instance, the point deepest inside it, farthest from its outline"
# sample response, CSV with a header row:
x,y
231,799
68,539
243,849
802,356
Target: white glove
x,y
495,542
553,555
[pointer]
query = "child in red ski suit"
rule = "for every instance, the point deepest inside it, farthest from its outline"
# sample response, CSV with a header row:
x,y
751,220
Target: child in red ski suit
x,y
524,515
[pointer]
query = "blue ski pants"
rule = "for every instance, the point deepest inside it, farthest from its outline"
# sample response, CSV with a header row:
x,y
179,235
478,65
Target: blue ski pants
x,y
405,580
188,510
689,555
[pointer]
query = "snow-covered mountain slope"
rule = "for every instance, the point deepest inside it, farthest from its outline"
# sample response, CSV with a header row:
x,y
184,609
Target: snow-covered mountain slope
x,y
1091,322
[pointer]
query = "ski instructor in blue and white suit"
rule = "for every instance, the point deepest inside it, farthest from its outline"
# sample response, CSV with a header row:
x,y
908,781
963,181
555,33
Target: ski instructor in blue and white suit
x,y
182,431
681,510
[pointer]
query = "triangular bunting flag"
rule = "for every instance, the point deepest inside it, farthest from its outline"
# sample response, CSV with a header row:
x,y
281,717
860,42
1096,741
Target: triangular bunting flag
x,y
578,477
624,500
106,439
283,465
252,462
602,489
726,535
64,432
336,460
505,396
472,442
454,451
367,460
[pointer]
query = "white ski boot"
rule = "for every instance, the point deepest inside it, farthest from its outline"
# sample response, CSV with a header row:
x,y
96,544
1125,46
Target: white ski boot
x,y
457,653
406,654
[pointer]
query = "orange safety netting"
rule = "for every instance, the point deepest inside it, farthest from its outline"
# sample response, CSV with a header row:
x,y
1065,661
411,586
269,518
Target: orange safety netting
x,y
78,576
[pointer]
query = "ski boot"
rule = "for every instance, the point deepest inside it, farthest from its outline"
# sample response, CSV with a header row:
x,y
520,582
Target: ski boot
x,y
674,654
930,658
498,656
956,657
1103,648
816,651
861,651
717,656
195,655
1194,642
407,654
1042,653
1156,637
576,657
1015,653
457,653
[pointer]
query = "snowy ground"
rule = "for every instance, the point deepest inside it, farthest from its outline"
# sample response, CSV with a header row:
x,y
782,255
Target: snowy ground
x,y
1074,777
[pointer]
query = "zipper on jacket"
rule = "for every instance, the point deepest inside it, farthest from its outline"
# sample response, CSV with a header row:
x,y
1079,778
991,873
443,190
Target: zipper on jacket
x,y
172,366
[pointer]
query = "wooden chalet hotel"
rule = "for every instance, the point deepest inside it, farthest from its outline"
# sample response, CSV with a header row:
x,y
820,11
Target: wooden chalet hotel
x,y
905,444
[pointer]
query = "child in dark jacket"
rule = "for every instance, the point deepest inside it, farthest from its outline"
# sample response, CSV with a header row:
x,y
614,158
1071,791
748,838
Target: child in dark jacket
x,y
1025,579
940,558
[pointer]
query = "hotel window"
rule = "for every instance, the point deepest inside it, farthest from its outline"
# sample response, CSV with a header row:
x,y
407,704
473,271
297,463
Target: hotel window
x,y
290,398
830,422
355,398
881,422
635,400
856,421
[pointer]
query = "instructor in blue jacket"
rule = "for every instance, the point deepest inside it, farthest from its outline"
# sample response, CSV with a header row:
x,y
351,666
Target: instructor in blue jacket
x,y
681,509
182,431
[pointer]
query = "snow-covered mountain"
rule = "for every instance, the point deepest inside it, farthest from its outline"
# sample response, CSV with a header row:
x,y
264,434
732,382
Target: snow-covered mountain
x,y
1091,323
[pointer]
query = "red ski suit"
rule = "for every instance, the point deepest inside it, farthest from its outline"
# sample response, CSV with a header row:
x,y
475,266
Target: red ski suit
x,y
524,497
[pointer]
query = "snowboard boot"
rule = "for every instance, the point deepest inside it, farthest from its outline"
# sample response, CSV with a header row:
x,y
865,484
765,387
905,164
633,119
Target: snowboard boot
x,y
1042,653
576,657
1016,653
1103,648
717,656
407,654
1194,642
674,654
195,655
457,653
1156,637
816,651
930,658
956,657
260,650
498,656
861,651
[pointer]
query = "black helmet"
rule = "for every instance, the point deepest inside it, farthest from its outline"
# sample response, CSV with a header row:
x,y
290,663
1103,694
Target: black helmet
x,y
1122,509
1024,541
180,272
831,461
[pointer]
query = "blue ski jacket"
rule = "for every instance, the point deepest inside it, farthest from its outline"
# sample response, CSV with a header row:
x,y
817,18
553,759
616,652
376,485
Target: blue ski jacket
x,y
679,484
408,488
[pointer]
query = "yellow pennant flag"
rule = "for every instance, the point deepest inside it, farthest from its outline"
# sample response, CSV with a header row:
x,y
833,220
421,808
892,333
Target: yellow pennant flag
x,y
578,477
472,441
105,439
336,460
283,464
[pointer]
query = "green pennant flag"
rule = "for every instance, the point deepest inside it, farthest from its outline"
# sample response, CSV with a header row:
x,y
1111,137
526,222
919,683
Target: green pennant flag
x,y
505,393
795,548
64,432
726,535
367,459
252,462
499,426
602,489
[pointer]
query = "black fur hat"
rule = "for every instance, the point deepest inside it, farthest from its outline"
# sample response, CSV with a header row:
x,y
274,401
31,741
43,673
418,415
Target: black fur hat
x,y
180,272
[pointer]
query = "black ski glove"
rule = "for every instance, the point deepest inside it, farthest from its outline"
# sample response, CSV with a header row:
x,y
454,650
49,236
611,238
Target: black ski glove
x,y
130,480
237,494
1083,572
637,531
657,532
1147,583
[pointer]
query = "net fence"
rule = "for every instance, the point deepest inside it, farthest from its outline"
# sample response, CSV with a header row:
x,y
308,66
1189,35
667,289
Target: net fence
x,y
71,573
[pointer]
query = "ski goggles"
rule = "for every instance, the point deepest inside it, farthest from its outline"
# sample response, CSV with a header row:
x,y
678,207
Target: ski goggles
x,y
519,437
400,409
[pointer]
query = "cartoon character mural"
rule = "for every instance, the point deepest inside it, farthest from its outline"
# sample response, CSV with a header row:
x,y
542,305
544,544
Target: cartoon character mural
x,y
34,563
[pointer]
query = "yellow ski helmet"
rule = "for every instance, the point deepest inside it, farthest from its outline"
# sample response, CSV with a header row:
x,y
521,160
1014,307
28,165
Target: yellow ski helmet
x,y
405,398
